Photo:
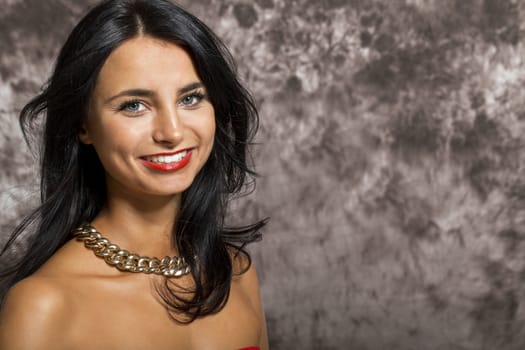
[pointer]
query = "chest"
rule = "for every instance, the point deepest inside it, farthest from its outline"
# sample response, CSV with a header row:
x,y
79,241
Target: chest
x,y
107,319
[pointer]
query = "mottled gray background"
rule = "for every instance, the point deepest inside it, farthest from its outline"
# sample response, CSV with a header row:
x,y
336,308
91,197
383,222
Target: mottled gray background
x,y
391,158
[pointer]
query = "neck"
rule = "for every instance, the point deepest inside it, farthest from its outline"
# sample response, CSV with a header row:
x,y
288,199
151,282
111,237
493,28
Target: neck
x,y
141,224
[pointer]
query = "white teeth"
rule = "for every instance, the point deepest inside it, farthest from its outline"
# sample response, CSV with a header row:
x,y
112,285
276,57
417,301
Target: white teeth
x,y
167,159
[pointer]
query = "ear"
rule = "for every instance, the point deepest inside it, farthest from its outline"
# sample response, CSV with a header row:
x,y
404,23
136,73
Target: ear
x,y
83,135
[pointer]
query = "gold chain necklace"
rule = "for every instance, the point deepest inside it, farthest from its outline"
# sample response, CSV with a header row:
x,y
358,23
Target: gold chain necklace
x,y
126,261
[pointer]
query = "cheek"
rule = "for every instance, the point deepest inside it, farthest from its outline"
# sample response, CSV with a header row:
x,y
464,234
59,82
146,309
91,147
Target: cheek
x,y
212,129
210,134
115,141
204,127
211,125
204,130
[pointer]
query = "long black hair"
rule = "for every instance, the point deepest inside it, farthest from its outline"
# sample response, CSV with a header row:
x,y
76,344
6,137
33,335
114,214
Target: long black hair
x,y
73,188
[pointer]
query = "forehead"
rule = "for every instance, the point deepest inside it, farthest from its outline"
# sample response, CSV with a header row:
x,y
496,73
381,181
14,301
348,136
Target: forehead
x,y
148,63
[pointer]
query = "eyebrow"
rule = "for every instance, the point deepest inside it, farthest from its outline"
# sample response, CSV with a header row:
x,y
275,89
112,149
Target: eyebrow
x,y
150,93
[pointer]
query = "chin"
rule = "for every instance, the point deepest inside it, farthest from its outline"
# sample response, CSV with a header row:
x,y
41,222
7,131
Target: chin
x,y
170,191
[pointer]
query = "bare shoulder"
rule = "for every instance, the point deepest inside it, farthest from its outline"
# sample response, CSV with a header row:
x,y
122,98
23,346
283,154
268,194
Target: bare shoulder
x,y
248,283
35,306
250,279
245,274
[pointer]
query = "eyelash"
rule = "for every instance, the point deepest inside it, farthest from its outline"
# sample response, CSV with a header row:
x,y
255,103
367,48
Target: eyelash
x,y
126,104
198,95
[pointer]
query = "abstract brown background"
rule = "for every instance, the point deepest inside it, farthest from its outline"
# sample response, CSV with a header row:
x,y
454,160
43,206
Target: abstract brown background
x,y
391,160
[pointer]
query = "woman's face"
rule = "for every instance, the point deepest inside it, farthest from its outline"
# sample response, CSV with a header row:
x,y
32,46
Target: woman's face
x,y
150,120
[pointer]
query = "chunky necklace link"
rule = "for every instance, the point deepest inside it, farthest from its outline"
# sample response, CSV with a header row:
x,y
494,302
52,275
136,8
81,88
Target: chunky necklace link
x,y
126,261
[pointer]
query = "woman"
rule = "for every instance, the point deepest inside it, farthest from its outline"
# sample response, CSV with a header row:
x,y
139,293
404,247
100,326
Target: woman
x,y
145,136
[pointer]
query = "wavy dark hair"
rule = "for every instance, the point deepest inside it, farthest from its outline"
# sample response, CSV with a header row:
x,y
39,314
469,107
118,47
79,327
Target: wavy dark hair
x,y
73,188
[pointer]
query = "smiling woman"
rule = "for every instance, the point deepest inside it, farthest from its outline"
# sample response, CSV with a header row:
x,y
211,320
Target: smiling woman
x,y
147,125
146,130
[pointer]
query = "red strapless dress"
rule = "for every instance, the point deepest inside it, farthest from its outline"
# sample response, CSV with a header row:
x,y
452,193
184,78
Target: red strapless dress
x,y
251,348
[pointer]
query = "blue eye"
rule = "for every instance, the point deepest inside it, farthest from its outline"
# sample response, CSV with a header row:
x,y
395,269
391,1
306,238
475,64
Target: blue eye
x,y
132,106
192,99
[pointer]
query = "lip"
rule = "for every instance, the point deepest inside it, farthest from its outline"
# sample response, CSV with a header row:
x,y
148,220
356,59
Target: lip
x,y
168,167
189,149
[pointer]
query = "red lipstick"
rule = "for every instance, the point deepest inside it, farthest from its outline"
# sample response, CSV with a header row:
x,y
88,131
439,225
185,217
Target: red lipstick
x,y
169,166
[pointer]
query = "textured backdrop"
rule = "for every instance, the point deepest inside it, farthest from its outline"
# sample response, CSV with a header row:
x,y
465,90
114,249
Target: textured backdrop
x,y
391,160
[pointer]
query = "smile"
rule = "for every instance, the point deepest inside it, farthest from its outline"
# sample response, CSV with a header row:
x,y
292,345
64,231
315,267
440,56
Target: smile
x,y
167,159
167,162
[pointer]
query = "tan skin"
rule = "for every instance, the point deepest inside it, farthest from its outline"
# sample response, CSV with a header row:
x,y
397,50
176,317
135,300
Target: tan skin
x,y
77,301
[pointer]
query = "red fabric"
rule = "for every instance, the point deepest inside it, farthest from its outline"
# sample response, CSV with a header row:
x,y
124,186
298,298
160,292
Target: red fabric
x,y
251,348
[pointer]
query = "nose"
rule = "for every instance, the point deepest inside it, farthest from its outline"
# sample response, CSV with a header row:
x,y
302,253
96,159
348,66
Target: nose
x,y
167,129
